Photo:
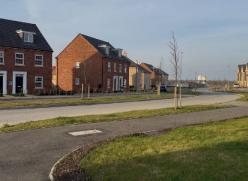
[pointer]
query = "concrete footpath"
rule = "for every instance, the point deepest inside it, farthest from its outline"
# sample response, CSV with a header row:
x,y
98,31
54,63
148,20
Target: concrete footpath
x,y
29,155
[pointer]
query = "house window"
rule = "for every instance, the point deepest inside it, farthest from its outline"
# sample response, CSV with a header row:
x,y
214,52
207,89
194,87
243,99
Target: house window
x,y
19,59
28,37
109,66
125,68
1,57
108,83
125,83
77,81
77,65
120,68
114,67
39,60
38,82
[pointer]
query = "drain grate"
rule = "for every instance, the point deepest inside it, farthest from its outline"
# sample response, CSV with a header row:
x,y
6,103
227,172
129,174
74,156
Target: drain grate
x,y
85,132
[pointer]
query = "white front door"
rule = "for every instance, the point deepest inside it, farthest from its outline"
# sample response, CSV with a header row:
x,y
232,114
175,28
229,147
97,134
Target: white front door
x,y
3,82
19,82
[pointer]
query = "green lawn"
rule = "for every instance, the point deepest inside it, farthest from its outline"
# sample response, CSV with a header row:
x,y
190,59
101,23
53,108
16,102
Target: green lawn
x,y
79,101
215,151
244,97
100,118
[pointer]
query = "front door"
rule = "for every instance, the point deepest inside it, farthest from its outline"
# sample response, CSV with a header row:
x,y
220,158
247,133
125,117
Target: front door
x,y
1,84
120,88
19,84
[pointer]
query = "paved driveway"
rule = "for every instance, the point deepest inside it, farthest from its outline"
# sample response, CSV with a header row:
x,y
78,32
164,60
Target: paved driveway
x,y
29,155
22,115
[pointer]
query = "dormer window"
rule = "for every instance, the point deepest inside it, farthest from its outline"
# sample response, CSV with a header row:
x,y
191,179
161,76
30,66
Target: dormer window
x,y
28,37
106,49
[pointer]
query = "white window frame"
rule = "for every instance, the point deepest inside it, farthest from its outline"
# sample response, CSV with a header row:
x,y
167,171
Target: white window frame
x,y
38,65
125,83
108,83
109,66
125,68
120,68
114,67
77,65
28,37
42,82
2,56
18,64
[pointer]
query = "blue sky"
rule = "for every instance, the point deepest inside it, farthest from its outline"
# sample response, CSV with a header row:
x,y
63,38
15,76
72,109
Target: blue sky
x,y
213,34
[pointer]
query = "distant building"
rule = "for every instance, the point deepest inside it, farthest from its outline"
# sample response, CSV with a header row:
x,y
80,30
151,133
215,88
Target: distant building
x,y
202,79
242,75
139,78
156,75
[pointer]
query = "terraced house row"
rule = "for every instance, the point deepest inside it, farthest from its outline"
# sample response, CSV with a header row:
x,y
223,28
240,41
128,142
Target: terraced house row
x,y
26,64
25,59
92,62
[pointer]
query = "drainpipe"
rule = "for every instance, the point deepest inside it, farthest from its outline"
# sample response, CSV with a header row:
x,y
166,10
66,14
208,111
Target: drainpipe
x,y
57,77
102,73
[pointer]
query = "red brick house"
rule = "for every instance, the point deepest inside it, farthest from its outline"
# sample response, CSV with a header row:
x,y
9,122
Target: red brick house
x,y
156,75
25,59
90,61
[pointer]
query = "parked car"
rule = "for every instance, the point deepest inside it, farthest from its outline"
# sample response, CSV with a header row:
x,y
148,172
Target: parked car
x,y
236,85
163,88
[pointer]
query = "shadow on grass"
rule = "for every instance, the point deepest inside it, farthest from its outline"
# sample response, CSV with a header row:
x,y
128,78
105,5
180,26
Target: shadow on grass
x,y
224,161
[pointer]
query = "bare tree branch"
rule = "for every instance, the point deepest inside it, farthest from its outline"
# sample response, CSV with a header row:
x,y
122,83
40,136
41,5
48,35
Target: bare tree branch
x,y
175,61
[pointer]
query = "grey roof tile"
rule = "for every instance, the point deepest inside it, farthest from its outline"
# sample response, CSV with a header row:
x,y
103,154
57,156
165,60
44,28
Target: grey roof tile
x,y
9,37
97,43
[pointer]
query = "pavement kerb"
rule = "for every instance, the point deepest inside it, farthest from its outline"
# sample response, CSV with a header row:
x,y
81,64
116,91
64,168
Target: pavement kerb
x,y
92,146
50,176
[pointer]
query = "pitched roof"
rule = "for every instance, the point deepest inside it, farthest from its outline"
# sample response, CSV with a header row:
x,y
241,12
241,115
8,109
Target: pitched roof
x,y
97,43
10,38
156,70
133,64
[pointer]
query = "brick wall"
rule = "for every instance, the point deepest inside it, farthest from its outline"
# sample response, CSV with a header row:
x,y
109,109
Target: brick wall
x,y
29,67
112,73
79,50
92,69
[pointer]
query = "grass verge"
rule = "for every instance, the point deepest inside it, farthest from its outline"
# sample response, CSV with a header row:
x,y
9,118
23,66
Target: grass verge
x,y
78,101
244,96
105,117
214,151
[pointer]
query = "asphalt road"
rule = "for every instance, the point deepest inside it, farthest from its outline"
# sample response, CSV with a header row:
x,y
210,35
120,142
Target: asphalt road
x,y
14,116
29,155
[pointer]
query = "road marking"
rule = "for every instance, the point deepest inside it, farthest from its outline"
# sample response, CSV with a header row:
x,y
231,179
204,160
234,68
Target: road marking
x,y
85,132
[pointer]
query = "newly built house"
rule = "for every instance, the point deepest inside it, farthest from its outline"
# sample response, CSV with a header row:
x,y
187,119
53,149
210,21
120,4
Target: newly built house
x,y
157,75
92,63
25,59
139,78
242,75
